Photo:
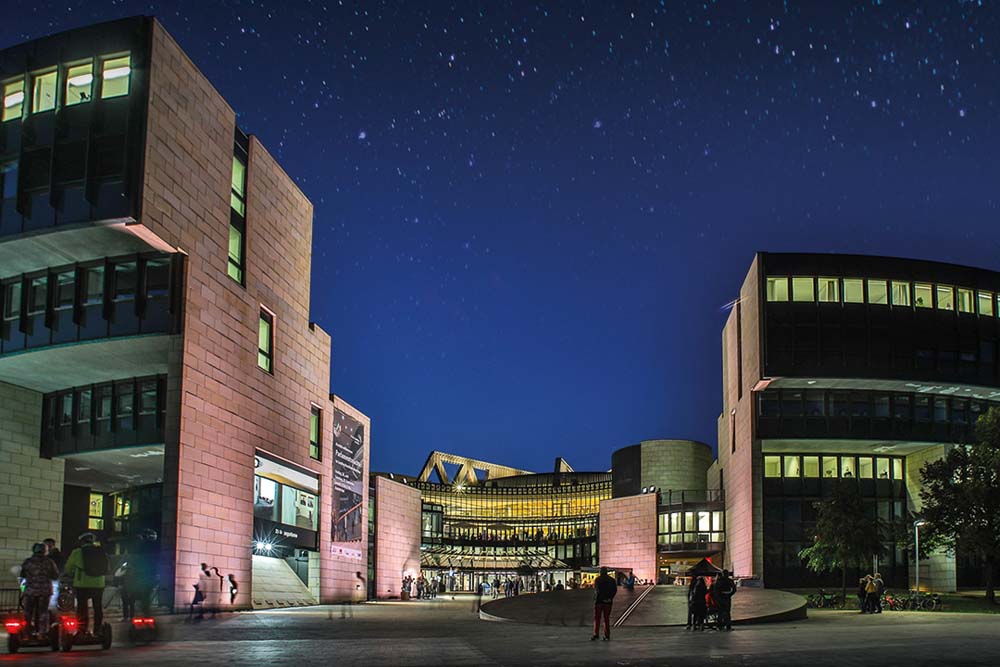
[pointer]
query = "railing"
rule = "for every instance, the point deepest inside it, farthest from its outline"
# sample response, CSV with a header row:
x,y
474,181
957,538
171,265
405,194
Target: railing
x,y
671,498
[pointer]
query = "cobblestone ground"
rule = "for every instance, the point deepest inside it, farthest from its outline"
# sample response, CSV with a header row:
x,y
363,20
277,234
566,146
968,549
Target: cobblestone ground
x,y
448,632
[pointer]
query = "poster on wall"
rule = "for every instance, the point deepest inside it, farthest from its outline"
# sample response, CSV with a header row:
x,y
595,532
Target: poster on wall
x,y
348,471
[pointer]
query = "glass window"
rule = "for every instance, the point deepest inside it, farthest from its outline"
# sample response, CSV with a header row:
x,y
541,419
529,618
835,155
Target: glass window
x,y
37,295
238,196
8,172
236,249
859,405
769,404
878,292
803,289
865,468
147,397
815,403
922,408
847,466
12,302
13,99
43,92
299,508
829,466
124,281
772,466
900,293
829,290
79,84
924,295
777,289
881,405
93,288
791,403
965,302
940,409
882,467
65,289
115,75
810,466
315,431
265,341
265,504
959,410
95,512
675,522
897,469
792,468
986,304
901,406
854,290
83,406
66,409
689,519
157,278
945,297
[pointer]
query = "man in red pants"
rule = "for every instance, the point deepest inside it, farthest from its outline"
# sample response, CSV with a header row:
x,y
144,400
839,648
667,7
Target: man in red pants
x,y
605,590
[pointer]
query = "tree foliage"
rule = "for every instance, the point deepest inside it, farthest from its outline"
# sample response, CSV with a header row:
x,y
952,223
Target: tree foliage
x,y
845,537
961,498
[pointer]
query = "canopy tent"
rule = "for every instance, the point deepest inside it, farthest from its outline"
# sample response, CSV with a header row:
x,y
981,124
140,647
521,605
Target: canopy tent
x,y
704,568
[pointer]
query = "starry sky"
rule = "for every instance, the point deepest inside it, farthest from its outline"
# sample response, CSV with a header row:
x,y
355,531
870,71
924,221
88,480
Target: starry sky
x,y
529,217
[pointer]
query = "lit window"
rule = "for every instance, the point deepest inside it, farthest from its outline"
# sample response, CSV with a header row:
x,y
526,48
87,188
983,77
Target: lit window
x,y
897,469
236,249
43,92
777,289
882,468
772,466
865,469
792,466
829,290
829,466
239,184
965,301
79,84
878,292
986,304
900,293
803,289
95,512
847,466
854,291
115,76
923,295
810,466
265,341
945,297
315,433
13,99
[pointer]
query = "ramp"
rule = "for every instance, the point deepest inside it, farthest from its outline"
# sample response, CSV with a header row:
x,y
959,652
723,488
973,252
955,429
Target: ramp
x,y
275,585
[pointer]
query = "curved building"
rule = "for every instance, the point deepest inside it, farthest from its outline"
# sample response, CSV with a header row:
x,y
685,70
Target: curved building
x,y
847,367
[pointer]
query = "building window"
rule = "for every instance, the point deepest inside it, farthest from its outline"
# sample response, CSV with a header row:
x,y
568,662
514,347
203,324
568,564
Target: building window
x,y
847,466
923,295
265,341
239,185
986,304
803,289
772,466
792,466
95,512
965,302
900,293
777,289
43,92
316,433
945,297
115,76
237,246
13,99
865,468
79,84
829,466
237,214
810,466
854,291
829,290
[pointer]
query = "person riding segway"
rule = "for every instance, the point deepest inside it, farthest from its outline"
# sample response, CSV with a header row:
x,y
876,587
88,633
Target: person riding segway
x,y
88,565
140,580
35,627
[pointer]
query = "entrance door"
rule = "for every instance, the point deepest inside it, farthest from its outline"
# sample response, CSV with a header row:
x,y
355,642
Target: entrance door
x,y
299,562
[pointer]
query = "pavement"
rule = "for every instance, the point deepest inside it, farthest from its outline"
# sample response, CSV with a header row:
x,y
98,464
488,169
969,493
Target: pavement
x,y
448,631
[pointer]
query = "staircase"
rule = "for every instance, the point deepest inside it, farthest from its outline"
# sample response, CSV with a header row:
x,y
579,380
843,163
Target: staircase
x,y
275,585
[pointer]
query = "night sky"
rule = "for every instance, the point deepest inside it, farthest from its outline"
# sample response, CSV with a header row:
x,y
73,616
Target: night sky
x,y
530,217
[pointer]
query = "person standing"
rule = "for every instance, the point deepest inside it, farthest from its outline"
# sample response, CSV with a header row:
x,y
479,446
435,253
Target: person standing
x,y
605,590
234,589
871,589
88,564
879,591
38,572
690,601
57,557
723,591
862,595
699,605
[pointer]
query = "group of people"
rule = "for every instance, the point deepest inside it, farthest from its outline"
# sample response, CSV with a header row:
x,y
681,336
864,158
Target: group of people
x,y
870,590
707,596
210,591
421,588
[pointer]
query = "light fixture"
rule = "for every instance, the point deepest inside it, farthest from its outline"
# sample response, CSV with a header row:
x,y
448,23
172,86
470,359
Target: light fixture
x,y
13,99
116,72
644,489
82,79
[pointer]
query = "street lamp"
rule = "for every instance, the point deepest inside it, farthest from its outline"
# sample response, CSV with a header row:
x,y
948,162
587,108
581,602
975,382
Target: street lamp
x,y
916,549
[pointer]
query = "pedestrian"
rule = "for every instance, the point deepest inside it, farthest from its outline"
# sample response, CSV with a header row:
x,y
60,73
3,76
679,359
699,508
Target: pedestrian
x,y
59,559
605,590
209,587
88,565
723,590
862,595
38,572
690,601
139,579
699,605
871,592
879,591
234,589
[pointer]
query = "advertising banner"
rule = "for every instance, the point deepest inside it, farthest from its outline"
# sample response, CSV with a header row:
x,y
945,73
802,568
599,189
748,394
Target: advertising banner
x,y
348,493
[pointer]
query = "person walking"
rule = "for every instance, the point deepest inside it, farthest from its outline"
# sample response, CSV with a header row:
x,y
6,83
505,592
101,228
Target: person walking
x,y
38,572
723,590
88,565
699,605
234,589
605,589
140,575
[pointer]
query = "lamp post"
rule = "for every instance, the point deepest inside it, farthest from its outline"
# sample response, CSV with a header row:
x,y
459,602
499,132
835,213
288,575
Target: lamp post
x,y
916,549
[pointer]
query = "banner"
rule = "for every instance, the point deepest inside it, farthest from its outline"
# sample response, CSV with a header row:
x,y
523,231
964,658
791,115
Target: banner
x,y
348,473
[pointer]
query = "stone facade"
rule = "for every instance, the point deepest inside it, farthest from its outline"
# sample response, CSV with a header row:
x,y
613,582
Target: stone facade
x,y
30,488
674,464
397,540
628,534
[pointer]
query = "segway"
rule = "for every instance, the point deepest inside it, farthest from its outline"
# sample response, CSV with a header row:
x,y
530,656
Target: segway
x,y
142,630
71,636
20,635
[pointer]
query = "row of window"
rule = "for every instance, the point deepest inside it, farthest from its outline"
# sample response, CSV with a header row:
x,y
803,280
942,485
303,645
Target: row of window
x,y
895,293
66,85
690,527
828,466
110,297
238,209
787,403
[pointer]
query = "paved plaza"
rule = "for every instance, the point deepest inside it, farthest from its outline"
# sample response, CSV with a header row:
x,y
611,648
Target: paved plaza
x,y
449,632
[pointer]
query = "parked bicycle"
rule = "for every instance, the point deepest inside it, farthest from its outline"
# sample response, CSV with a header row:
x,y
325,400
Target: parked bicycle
x,y
825,600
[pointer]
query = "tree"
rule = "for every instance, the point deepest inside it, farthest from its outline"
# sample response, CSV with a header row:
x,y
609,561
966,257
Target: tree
x,y
961,498
845,537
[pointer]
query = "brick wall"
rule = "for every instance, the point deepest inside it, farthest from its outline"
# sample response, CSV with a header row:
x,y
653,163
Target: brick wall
x,y
30,487
397,535
225,406
628,534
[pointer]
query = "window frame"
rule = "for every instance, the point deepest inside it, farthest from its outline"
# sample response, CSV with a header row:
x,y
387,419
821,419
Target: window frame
x,y
266,315
7,89
104,61
316,446
34,77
